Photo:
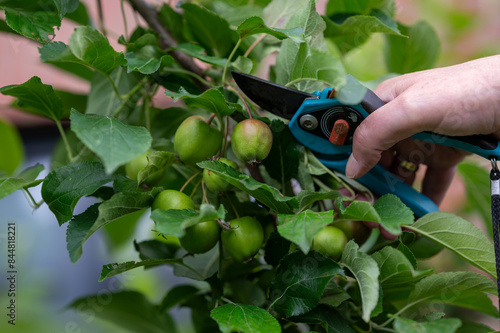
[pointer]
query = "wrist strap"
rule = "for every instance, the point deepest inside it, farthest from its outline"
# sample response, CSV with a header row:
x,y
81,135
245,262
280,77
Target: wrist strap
x,y
495,214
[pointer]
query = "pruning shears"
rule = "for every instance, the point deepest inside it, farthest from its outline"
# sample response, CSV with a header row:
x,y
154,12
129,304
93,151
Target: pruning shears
x,y
324,125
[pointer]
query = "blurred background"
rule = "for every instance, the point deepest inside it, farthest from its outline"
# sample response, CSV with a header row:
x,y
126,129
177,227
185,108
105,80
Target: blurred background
x,y
48,282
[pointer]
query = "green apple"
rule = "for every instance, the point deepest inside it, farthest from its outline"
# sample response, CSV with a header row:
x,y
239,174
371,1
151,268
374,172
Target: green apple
x,y
214,182
251,141
201,237
330,242
172,199
195,140
243,239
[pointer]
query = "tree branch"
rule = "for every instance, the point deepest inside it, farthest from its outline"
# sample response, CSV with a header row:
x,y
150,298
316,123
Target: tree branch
x,y
151,16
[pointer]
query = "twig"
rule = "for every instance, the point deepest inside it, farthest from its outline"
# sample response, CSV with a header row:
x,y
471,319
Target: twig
x,y
150,15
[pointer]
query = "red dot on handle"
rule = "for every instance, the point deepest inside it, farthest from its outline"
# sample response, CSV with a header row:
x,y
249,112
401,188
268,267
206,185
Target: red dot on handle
x,y
339,132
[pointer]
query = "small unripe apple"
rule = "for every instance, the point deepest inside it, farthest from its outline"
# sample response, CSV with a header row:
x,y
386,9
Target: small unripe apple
x,y
243,239
172,199
330,242
195,140
251,141
214,182
201,237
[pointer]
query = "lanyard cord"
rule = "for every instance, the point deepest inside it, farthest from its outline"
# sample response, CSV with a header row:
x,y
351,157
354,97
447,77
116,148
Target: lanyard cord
x,y
495,214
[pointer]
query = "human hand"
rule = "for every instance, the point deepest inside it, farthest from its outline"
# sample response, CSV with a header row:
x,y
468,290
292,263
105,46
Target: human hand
x,y
456,100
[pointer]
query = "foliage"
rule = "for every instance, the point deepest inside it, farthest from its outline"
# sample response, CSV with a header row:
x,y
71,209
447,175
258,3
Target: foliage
x,y
375,286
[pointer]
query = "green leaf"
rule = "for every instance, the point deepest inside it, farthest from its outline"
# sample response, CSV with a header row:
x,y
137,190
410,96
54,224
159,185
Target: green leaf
x,y
359,6
93,48
157,161
477,189
35,97
330,319
63,187
473,301
352,92
396,269
25,179
66,6
300,281
129,310
279,12
349,33
155,249
141,64
102,98
255,25
178,295
264,193
199,267
84,225
468,327
211,100
334,295
450,284
242,64
366,272
388,210
12,152
60,55
283,161
175,221
417,52
198,52
209,29
302,65
244,318
115,268
459,236
114,142
306,198
37,25
405,325
173,21
303,227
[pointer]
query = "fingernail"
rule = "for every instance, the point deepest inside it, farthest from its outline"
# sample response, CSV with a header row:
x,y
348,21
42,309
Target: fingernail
x,y
352,167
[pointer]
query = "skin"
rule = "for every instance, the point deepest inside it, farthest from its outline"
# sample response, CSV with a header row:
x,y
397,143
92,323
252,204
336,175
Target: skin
x,y
457,100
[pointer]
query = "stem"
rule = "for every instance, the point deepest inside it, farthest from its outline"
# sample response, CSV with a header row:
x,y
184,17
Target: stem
x,y
221,257
229,61
226,133
195,188
127,99
244,102
372,239
183,71
33,202
212,116
151,16
80,154
101,17
233,207
189,181
146,100
124,19
115,89
65,140
254,44
204,192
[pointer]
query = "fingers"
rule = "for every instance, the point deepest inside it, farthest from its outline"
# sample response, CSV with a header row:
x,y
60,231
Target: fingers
x,y
385,127
436,182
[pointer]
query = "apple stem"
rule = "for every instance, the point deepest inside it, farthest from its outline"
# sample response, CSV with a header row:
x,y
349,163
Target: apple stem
x,y
189,181
226,132
204,192
212,116
244,102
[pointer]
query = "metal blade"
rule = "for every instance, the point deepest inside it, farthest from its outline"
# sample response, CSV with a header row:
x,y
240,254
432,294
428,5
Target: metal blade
x,y
275,98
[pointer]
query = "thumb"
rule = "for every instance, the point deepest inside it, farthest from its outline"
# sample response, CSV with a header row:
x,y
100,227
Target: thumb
x,y
381,130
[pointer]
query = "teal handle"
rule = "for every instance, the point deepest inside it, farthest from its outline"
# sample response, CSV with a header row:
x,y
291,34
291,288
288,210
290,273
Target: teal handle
x,y
382,181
